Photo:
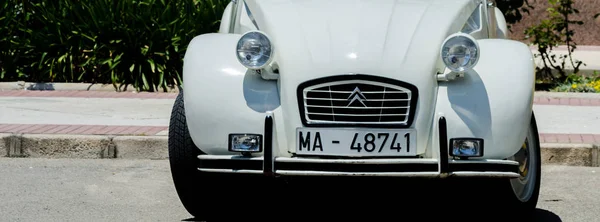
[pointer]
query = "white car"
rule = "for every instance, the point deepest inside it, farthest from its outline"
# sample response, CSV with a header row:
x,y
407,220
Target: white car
x,y
381,88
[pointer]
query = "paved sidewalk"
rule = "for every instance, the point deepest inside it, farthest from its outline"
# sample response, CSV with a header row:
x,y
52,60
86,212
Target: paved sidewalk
x,y
562,117
566,120
84,112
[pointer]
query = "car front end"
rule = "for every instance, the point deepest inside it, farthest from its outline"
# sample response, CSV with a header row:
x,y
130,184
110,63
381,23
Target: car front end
x,y
352,98
406,89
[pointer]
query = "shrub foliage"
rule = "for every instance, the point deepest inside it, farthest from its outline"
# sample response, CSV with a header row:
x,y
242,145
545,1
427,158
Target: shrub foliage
x,y
554,31
513,9
139,43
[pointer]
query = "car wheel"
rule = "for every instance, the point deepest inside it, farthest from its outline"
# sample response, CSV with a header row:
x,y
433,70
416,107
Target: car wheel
x,y
208,196
183,160
522,193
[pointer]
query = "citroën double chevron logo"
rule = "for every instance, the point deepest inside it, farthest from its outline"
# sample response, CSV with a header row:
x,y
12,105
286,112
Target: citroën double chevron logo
x,y
357,95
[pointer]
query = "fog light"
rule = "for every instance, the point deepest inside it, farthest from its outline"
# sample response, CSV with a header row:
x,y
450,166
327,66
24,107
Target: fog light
x,y
466,147
245,143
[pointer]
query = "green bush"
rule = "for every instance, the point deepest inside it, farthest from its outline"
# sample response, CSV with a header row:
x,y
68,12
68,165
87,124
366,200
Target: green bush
x,y
123,42
551,32
579,83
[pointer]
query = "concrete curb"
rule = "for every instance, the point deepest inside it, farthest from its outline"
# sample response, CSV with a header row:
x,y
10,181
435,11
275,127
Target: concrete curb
x,y
570,154
21,85
83,146
570,95
155,147
144,147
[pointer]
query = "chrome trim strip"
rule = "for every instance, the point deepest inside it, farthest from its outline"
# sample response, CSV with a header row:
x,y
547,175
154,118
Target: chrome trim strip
x,y
233,18
329,173
345,107
331,114
227,157
485,161
327,91
356,161
350,122
399,174
230,171
496,174
386,174
491,17
484,174
328,99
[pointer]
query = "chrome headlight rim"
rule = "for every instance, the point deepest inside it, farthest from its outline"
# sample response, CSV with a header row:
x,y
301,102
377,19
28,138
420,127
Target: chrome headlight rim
x,y
269,54
473,45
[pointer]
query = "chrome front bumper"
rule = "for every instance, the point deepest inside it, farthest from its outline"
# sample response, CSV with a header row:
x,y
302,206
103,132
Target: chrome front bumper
x,y
359,167
270,165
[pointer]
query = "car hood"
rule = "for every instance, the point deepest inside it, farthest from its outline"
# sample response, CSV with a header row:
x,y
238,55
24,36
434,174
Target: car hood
x,y
358,34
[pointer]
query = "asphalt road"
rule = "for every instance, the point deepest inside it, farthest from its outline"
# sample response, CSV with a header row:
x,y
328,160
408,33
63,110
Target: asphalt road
x,y
142,190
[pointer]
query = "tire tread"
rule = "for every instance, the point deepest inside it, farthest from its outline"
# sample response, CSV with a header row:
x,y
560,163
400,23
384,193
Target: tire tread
x,y
183,159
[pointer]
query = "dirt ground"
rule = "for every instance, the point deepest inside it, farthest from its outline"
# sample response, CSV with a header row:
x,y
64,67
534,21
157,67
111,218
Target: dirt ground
x,y
586,34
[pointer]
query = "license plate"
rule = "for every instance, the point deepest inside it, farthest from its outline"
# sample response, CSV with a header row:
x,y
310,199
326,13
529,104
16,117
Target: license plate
x,y
356,142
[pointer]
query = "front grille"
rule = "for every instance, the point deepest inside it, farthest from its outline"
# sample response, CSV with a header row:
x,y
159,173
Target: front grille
x,y
358,101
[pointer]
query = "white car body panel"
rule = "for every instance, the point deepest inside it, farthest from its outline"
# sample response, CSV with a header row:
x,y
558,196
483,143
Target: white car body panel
x,y
491,103
314,39
221,95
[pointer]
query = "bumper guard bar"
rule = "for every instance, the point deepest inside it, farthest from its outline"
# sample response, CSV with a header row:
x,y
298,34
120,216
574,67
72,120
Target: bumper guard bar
x,y
270,165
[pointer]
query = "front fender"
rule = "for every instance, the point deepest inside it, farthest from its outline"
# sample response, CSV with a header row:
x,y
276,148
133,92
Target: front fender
x,y
493,101
220,94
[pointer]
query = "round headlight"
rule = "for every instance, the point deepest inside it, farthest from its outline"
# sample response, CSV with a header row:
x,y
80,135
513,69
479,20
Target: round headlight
x,y
460,52
254,50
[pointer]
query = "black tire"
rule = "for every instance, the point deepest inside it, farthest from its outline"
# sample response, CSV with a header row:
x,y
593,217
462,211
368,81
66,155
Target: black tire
x,y
524,203
183,160
206,196
530,204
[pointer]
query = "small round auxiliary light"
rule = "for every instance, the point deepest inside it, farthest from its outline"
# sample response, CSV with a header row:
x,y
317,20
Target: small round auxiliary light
x,y
254,50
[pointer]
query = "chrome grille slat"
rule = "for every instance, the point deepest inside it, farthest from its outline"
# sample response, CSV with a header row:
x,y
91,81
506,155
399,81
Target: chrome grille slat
x,y
326,91
357,101
381,110
345,107
331,102
337,114
328,99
